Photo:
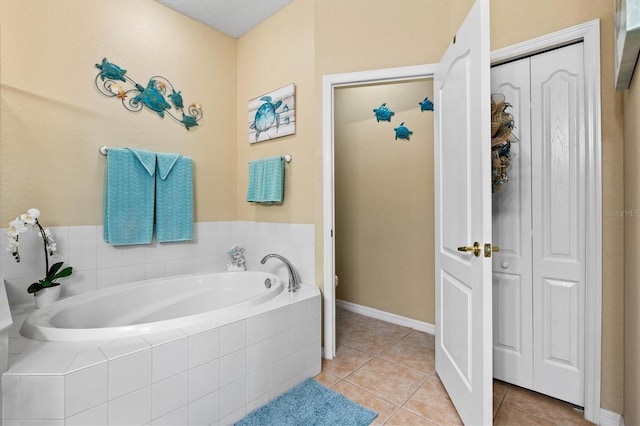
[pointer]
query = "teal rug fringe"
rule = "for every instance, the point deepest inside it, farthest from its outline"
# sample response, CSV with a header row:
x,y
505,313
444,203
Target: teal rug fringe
x,y
310,404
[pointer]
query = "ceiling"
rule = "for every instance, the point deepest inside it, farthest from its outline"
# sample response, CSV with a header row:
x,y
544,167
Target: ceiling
x,y
232,17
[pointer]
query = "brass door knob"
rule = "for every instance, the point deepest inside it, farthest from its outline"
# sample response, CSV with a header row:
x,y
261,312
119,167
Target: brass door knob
x,y
476,249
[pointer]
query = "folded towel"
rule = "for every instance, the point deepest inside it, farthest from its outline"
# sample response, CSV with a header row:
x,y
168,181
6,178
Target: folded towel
x,y
266,180
174,198
129,196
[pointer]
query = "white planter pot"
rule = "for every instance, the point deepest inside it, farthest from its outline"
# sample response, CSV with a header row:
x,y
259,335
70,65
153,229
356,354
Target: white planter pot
x,y
47,296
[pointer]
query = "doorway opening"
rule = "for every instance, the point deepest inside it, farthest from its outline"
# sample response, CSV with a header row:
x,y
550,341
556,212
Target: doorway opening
x,y
589,34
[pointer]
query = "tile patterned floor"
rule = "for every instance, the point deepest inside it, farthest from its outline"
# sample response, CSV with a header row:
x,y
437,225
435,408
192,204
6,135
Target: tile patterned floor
x,y
391,370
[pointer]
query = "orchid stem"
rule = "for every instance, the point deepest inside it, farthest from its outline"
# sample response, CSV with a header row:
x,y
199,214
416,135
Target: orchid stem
x,y
46,253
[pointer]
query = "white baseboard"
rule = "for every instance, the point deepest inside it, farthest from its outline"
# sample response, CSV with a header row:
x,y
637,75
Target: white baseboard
x,y
609,418
386,316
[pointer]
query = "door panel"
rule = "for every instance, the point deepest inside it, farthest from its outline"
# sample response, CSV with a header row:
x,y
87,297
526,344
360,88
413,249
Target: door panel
x,y
558,123
462,217
557,111
512,293
539,223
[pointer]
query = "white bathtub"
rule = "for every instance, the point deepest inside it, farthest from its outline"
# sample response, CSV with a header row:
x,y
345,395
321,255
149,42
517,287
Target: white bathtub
x,y
168,351
149,306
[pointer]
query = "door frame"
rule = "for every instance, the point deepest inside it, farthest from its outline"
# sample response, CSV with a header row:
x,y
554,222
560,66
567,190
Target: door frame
x,y
589,34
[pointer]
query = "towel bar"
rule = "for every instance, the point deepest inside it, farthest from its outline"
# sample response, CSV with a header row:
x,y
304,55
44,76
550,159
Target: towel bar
x,y
287,158
103,150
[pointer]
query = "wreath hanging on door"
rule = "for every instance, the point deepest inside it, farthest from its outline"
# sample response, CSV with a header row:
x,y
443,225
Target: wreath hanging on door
x,y
502,124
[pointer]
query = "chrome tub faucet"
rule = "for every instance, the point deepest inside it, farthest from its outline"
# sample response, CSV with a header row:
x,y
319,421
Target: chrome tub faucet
x,y
294,281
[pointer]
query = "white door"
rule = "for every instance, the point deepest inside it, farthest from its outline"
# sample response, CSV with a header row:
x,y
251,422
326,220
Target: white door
x,y
559,146
539,274
512,292
463,218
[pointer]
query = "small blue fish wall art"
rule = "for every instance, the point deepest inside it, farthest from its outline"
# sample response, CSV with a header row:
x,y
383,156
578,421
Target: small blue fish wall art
x,y
402,132
426,105
383,113
272,115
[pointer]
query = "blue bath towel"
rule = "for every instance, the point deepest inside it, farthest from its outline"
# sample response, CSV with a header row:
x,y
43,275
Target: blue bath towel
x,y
129,196
266,180
174,198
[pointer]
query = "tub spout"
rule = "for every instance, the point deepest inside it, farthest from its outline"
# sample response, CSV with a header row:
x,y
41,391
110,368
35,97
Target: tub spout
x,y
294,281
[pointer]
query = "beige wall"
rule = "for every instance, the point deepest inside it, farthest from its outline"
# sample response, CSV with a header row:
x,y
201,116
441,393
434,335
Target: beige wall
x,y
269,57
53,119
384,200
362,34
631,250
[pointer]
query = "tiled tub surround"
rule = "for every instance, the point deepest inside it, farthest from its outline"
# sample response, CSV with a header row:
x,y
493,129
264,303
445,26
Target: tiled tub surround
x,y
97,264
212,373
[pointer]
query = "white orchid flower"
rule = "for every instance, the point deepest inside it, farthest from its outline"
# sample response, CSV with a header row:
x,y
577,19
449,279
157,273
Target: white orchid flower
x,y
28,219
16,227
35,213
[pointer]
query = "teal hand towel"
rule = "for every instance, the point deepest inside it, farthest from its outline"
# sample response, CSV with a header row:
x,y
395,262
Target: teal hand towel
x,y
266,180
174,198
129,196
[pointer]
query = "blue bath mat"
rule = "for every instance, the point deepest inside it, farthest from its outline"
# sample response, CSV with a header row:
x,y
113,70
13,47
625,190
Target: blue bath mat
x,y
310,403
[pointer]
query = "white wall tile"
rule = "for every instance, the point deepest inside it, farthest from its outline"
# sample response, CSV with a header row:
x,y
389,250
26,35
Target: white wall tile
x,y
204,347
97,416
279,320
108,257
233,337
129,373
133,255
314,308
233,367
170,359
204,379
83,258
233,397
154,270
232,418
257,385
33,406
279,373
82,237
279,346
257,356
299,337
108,277
176,417
41,422
131,409
132,273
298,363
85,389
205,411
257,328
169,395
10,397
298,312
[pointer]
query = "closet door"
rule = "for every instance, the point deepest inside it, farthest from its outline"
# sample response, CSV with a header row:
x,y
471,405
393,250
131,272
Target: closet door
x,y
512,272
558,190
